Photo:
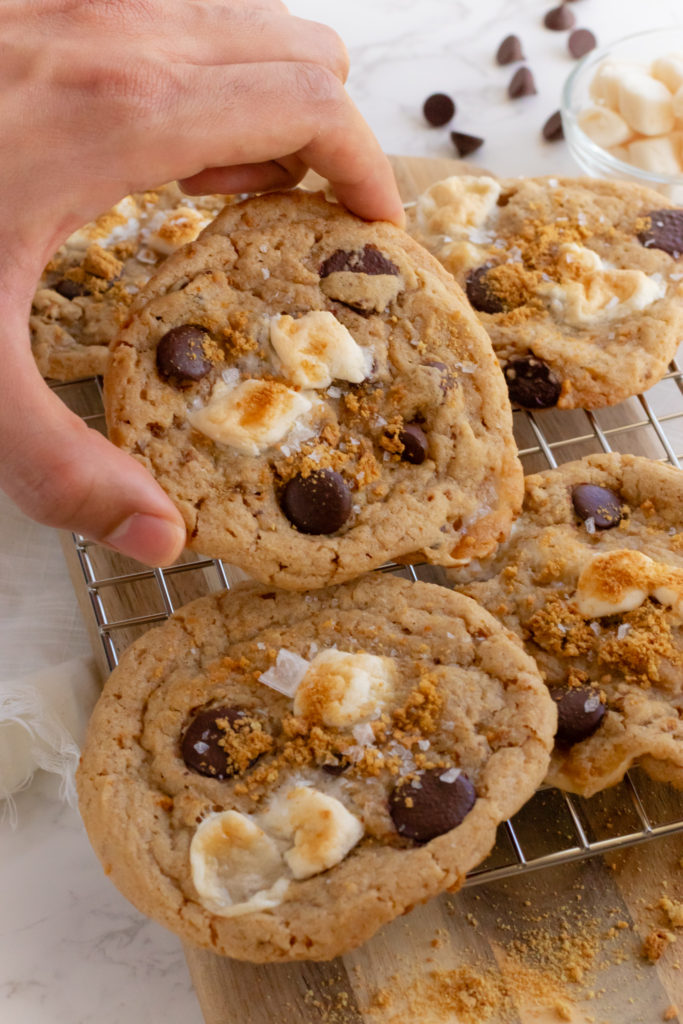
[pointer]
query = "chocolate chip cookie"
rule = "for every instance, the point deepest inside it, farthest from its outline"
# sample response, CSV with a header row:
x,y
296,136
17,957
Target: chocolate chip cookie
x,y
316,397
86,290
274,775
577,281
592,580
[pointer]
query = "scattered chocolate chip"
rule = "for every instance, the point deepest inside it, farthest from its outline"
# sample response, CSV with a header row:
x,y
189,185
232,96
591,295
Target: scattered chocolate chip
x,y
480,295
69,289
318,503
665,232
579,713
531,383
466,144
510,50
553,130
581,42
205,745
415,444
436,807
600,504
559,19
521,84
180,355
368,260
438,109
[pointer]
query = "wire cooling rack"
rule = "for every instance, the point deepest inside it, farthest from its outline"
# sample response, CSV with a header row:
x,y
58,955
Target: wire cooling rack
x,y
122,600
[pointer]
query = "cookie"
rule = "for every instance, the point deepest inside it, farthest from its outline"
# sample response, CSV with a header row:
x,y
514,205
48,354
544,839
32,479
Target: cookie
x,y
315,395
577,281
275,775
592,580
86,290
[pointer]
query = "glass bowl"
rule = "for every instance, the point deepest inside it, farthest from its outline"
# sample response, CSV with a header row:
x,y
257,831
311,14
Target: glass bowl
x,y
641,48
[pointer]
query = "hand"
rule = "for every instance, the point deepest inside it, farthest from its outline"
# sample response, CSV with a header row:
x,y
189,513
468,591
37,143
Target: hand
x,y
99,98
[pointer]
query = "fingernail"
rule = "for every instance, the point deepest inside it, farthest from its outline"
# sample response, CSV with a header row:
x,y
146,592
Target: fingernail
x,y
149,539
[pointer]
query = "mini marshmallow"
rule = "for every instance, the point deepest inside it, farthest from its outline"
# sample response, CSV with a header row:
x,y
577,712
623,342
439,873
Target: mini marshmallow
x,y
656,154
322,828
645,104
669,70
604,126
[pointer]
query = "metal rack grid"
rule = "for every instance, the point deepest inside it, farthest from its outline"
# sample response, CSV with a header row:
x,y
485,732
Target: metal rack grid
x,y
554,827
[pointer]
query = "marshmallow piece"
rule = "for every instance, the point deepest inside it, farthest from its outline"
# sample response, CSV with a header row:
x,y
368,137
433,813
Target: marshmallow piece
x,y
236,868
316,349
621,580
251,416
604,126
619,153
168,230
645,104
656,154
323,830
451,209
669,70
604,86
678,104
340,688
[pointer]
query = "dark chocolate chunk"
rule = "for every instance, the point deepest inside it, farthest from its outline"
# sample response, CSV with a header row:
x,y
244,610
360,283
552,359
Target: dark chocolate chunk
x,y
553,130
531,383
581,41
466,144
600,504
205,745
180,355
436,807
70,289
510,50
579,713
481,297
415,444
368,260
438,109
318,503
521,84
665,232
559,19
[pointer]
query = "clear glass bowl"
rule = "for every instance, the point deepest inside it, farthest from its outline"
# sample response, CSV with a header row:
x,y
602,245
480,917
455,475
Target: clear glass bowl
x,y
642,48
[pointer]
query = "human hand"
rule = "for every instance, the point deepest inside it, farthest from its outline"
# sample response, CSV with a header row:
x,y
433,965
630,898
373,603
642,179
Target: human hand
x,y
101,98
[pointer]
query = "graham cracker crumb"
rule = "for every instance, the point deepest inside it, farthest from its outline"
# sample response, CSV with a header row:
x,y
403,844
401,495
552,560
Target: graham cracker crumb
x,y
656,943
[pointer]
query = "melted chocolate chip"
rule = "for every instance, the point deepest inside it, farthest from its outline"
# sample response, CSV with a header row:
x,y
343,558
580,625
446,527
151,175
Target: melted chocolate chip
x,y
665,232
337,767
553,130
201,742
600,504
438,109
522,84
466,144
180,355
70,289
559,19
368,260
510,50
436,807
579,713
581,41
531,383
318,503
481,297
415,444
447,380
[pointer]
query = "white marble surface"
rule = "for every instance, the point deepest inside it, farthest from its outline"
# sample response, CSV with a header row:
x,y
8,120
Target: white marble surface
x,y
71,949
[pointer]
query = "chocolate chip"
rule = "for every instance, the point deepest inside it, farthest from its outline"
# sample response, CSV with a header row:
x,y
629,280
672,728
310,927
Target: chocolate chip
x,y
521,84
70,289
447,380
581,42
205,745
553,130
510,50
559,19
438,109
336,767
665,232
318,503
368,260
600,504
579,713
466,144
481,297
436,807
180,355
415,444
531,383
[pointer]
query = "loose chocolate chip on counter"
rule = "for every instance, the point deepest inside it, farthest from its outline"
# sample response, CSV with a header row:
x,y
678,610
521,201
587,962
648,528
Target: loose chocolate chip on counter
x,y
69,289
436,807
600,504
559,19
521,84
415,444
581,41
368,260
531,383
480,295
665,232
438,109
318,503
579,713
510,50
205,745
180,355
553,130
466,144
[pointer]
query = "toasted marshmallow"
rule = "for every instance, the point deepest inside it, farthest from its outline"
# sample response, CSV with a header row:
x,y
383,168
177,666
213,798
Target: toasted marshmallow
x,y
621,580
604,126
455,209
341,689
316,349
322,828
236,867
169,229
251,416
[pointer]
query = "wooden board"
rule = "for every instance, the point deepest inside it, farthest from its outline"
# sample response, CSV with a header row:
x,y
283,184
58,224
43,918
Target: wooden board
x,y
447,962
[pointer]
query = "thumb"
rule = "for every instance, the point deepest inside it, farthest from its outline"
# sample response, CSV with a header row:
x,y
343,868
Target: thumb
x,y
67,475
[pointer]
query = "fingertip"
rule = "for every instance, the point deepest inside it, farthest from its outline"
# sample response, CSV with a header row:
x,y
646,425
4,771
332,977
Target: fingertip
x,y
149,539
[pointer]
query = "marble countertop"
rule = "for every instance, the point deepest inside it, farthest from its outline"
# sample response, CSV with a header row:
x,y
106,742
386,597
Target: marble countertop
x,y
71,949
